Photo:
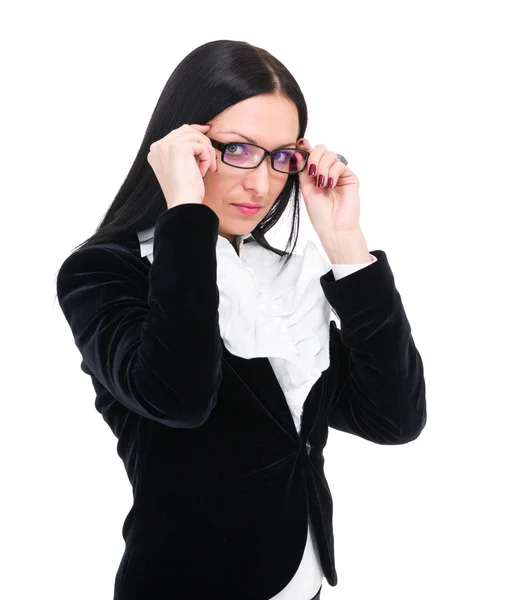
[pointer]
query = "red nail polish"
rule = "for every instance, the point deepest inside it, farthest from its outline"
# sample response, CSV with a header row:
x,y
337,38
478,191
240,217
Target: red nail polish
x,y
312,170
330,182
320,180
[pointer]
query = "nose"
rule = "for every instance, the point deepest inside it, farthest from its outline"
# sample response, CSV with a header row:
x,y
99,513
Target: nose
x,y
258,179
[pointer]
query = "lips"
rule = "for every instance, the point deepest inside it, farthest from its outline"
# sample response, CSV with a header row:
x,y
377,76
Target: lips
x,y
248,205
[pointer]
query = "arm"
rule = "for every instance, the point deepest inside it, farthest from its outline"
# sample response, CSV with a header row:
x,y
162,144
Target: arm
x,y
381,387
158,353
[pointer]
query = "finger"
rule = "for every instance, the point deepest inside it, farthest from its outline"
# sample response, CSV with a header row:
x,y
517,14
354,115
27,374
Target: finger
x,y
213,157
336,170
202,153
215,166
304,144
306,182
327,161
213,162
314,159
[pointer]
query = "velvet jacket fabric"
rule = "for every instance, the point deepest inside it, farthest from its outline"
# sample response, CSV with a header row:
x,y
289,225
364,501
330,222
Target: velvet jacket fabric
x,y
223,483
284,316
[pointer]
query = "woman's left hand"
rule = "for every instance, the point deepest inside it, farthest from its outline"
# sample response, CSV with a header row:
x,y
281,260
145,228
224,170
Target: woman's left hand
x,y
332,210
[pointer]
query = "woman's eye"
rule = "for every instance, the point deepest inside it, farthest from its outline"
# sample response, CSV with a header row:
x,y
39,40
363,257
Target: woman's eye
x,y
282,156
233,147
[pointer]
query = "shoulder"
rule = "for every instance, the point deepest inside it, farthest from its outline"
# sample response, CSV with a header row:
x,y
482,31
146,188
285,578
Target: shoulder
x,y
117,258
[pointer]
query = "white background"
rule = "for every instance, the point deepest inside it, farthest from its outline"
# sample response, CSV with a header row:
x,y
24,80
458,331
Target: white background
x,y
430,104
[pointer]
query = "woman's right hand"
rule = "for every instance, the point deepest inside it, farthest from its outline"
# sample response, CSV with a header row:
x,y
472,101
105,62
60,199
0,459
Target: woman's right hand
x,y
180,160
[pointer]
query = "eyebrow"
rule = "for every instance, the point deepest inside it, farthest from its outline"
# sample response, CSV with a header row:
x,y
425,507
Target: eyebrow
x,y
254,141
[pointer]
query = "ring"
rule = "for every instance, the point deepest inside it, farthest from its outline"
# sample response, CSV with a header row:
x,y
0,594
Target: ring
x,y
342,159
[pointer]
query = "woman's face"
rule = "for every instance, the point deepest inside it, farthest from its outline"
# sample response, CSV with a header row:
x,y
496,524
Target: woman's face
x,y
272,122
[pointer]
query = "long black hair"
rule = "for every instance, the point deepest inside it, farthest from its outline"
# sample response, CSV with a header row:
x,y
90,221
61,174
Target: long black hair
x,y
210,79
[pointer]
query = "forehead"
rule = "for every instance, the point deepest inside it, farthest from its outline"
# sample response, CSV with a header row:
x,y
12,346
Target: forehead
x,y
268,120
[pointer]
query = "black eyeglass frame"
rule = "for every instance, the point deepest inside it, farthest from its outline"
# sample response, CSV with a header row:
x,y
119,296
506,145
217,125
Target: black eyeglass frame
x,y
222,147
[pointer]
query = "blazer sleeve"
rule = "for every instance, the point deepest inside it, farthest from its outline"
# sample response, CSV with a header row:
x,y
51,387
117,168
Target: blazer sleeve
x,y
380,387
157,351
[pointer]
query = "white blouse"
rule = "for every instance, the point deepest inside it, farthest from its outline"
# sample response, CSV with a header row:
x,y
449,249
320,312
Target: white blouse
x,y
286,319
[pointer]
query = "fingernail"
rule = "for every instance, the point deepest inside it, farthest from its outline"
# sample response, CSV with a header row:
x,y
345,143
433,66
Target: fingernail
x,y
330,182
320,180
312,170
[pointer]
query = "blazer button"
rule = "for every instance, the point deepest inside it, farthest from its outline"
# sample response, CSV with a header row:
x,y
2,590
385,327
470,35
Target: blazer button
x,y
308,447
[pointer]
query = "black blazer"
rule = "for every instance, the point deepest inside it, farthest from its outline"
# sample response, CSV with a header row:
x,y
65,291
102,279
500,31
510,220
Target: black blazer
x,y
222,481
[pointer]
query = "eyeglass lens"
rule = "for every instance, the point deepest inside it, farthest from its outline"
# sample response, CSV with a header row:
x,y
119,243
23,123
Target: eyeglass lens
x,y
287,160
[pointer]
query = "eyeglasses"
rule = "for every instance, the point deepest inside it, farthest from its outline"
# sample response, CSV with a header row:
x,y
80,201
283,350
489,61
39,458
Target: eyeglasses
x,y
249,156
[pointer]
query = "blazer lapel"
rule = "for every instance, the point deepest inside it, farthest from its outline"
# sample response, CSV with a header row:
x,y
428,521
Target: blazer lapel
x,y
260,369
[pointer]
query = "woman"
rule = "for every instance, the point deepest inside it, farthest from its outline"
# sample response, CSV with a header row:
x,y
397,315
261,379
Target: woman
x,y
219,373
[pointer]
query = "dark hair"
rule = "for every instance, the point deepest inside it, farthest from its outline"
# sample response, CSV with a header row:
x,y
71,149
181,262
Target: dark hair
x,y
210,79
